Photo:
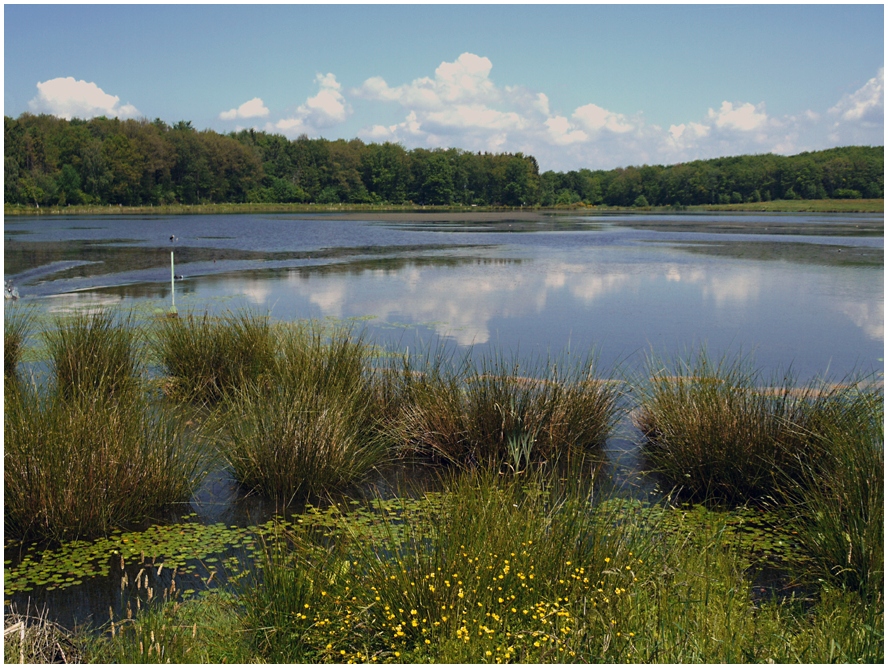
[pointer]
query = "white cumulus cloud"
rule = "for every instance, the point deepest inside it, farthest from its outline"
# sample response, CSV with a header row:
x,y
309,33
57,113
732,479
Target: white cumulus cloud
x,y
745,117
466,80
254,108
68,98
324,110
460,105
866,103
595,118
562,132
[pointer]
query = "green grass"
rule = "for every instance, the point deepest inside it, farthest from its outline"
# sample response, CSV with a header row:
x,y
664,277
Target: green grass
x,y
309,425
500,568
803,205
499,412
719,430
16,327
82,465
206,357
200,630
516,560
524,570
839,497
816,205
93,351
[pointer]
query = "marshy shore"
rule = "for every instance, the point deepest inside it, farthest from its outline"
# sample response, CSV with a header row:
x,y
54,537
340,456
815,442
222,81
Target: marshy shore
x,y
520,553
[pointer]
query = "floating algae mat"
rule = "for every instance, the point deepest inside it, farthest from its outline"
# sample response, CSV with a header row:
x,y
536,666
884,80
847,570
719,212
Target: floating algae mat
x,y
190,547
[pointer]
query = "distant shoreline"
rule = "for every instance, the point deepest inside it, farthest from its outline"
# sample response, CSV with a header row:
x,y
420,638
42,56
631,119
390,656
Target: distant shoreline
x,y
445,213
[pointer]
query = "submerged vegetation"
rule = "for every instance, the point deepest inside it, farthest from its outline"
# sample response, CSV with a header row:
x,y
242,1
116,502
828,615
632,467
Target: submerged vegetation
x,y
521,557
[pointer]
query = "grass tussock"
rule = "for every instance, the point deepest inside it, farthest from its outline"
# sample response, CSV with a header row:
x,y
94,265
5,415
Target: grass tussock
x,y
839,497
16,326
206,357
722,432
310,424
80,466
93,351
500,412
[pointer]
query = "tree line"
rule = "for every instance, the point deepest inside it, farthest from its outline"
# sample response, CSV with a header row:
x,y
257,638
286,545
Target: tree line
x,y
52,161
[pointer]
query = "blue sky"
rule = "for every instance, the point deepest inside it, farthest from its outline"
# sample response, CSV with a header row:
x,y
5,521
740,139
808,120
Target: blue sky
x,y
583,85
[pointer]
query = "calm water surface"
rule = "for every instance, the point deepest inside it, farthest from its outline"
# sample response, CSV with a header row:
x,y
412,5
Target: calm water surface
x,y
611,283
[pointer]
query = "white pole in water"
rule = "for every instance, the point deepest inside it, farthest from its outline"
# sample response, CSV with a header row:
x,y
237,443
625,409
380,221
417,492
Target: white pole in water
x,y
173,283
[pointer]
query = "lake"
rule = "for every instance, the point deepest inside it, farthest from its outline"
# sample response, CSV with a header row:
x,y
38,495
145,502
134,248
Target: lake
x,y
798,290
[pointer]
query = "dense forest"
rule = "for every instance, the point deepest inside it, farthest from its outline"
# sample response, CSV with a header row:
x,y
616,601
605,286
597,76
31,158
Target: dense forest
x,y
52,161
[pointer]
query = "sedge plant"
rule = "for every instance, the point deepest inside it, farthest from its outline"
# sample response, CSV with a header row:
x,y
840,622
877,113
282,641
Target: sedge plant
x,y
721,431
79,466
310,425
94,351
498,411
205,357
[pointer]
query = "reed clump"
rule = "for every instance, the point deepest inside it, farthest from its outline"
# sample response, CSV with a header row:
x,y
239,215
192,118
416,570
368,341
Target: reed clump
x,y
30,637
81,464
93,351
721,432
205,357
16,326
309,425
500,411
839,496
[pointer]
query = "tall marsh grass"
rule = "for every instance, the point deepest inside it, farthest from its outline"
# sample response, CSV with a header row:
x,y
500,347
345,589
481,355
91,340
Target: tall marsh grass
x,y
206,357
839,497
80,465
722,431
309,425
92,351
16,326
499,411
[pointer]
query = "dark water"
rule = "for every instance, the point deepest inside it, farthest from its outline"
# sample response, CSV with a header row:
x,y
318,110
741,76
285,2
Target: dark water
x,y
805,291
